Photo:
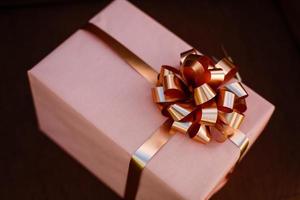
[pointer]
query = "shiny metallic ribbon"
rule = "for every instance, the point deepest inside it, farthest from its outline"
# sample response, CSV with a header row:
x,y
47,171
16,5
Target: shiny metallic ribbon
x,y
199,96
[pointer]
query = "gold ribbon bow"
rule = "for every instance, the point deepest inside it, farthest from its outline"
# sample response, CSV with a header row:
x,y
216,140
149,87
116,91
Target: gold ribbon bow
x,y
198,97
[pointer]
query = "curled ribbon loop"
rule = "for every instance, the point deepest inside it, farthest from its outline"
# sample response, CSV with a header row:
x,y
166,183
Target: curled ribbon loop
x,y
201,95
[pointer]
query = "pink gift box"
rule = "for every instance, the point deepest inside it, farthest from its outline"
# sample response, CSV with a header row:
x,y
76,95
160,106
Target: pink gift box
x,y
99,110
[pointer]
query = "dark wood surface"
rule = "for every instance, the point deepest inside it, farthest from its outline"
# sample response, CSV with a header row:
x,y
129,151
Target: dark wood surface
x,y
260,36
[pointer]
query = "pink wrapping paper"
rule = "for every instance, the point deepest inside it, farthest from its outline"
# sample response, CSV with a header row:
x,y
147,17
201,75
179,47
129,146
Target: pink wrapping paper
x,y
97,108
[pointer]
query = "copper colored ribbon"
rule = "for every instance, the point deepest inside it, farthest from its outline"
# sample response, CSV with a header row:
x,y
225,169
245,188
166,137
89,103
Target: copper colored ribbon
x,y
198,96
202,95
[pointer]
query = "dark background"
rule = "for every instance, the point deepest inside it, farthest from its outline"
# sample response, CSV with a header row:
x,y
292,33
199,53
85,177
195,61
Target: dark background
x,y
261,36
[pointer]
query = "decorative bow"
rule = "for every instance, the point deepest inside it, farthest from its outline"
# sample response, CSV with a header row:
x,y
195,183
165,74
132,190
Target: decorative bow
x,y
201,95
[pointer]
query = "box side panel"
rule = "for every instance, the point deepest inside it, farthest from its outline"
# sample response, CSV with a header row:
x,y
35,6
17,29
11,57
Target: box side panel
x,y
76,136
83,141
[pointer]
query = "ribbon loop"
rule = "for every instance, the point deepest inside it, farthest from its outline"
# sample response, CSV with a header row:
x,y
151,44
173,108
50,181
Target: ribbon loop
x,y
217,76
194,70
228,68
203,94
226,100
183,55
237,89
209,115
200,133
180,112
181,127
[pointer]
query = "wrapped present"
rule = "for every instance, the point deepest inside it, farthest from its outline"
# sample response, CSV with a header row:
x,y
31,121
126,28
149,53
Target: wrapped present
x,y
94,99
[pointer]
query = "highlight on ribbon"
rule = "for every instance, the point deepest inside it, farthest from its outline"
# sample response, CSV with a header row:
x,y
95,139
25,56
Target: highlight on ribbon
x,y
200,96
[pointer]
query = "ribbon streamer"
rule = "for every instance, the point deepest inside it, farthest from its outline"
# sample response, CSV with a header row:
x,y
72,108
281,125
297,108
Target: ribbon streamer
x,y
196,98
143,155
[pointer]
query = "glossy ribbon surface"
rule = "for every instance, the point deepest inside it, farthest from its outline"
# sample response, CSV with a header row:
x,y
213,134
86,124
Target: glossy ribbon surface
x,y
202,95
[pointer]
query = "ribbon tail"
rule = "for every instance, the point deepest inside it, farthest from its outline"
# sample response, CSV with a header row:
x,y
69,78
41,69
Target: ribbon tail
x,y
143,155
241,141
128,56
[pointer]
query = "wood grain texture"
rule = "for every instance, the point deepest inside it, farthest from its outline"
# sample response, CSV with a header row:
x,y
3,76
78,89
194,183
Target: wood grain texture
x,y
254,33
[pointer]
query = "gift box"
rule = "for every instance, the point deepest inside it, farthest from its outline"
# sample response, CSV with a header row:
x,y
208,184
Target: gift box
x,y
100,110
